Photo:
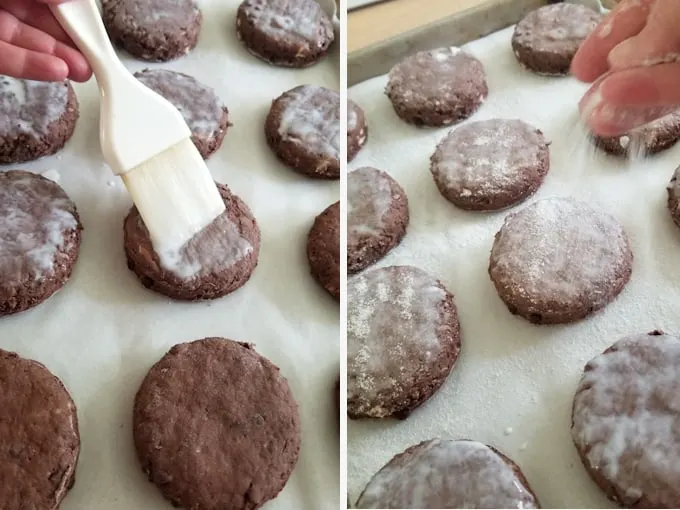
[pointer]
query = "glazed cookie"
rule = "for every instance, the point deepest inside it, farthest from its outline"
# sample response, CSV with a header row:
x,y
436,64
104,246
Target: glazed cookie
x,y
288,33
442,473
36,118
204,113
357,130
674,197
323,249
215,262
303,130
153,30
546,40
377,217
437,87
559,260
652,138
490,164
40,442
624,421
403,339
40,235
215,426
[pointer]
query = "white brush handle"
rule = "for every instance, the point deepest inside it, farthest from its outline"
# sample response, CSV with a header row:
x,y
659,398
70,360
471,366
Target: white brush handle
x,y
126,142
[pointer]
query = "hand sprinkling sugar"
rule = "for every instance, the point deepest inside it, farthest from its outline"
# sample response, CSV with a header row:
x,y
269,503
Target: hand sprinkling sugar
x,y
633,60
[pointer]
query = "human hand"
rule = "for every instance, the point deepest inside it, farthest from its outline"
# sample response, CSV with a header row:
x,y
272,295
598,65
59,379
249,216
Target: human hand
x,y
33,45
633,58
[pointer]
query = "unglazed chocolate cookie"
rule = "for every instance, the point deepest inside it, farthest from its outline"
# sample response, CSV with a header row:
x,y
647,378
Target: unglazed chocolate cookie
x,y
403,338
215,426
652,138
40,232
323,249
490,164
545,40
153,30
204,113
288,33
36,118
215,262
437,87
625,421
39,439
377,217
559,260
442,473
357,130
303,130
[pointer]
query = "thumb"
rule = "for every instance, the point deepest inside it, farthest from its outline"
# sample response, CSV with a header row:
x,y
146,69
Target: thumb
x,y
659,40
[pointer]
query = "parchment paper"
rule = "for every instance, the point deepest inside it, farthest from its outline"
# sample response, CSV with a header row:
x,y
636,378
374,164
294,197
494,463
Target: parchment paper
x,y
103,331
514,382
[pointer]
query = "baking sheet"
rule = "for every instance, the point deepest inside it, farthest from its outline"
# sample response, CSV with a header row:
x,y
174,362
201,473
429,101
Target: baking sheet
x,y
356,4
514,382
103,331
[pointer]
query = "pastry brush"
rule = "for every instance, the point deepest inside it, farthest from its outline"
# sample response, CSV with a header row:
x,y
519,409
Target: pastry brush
x,y
144,139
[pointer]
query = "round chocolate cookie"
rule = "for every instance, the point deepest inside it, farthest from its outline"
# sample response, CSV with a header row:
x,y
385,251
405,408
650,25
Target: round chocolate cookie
x,y
437,87
40,235
215,426
546,40
377,217
303,130
674,197
204,113
323,249
36,118
287,33
442,473
559,260
403,339
357,130
153,30
625,421
40,442
490,164
215,262
652,138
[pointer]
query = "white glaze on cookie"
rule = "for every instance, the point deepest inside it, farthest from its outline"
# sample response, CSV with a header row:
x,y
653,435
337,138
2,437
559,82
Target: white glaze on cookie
x,y
30,107
369,196
443,473
297,19
37,217
626,419
155,14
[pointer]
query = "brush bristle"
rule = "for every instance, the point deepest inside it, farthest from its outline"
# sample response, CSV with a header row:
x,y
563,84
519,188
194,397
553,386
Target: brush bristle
x,y
175,194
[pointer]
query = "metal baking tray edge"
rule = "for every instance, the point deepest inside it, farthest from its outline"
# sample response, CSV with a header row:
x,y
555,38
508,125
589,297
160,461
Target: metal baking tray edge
x,y
454,30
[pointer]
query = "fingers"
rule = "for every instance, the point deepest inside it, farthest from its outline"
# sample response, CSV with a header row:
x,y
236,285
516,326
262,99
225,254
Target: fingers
x,y
37,15
626,20
31,65
19,34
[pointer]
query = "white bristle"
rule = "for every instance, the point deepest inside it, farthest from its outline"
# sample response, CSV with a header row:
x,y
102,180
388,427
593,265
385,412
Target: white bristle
x,y
175,194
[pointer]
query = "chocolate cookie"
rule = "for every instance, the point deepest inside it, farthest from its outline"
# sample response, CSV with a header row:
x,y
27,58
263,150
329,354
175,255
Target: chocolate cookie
x,y
545,40
40,235
36,118
303,130
490,164
204,113
442,473
287,33
559,260
153,30
323,249
216,262
357,130
652,138
40,442
625,421
437,87
377,217
403,339
674,197
215,426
